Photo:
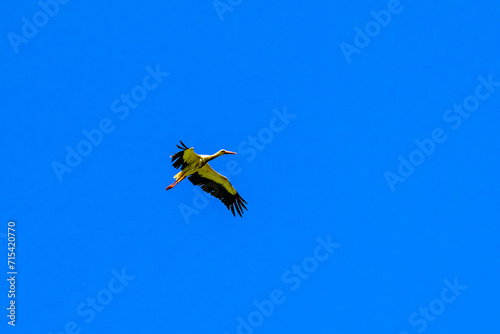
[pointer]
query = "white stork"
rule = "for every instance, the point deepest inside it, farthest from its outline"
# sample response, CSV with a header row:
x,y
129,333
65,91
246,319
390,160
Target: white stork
x,y
196,168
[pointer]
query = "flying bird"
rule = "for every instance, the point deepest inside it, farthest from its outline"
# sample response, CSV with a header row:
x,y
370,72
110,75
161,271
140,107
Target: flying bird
x,y
196,168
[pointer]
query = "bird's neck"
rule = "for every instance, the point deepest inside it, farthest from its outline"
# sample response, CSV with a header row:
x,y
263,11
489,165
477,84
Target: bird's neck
x,y
213,156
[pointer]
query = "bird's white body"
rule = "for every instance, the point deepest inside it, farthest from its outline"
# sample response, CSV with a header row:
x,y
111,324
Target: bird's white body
x,y
195,161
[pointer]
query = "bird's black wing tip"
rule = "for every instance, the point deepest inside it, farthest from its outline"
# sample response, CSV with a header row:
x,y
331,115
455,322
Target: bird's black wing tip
x,y
183,146
238,204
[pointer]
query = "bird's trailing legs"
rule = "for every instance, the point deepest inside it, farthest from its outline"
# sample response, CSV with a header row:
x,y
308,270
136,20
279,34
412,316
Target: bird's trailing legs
x,y
175,183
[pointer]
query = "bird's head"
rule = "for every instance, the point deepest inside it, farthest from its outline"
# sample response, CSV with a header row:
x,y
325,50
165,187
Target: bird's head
x,y
226,152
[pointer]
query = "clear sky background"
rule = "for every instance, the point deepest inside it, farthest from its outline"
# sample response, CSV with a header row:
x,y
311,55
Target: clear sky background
x,y
368,148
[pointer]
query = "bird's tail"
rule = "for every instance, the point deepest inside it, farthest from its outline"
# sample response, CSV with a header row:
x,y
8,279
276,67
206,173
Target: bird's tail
x,y
178,175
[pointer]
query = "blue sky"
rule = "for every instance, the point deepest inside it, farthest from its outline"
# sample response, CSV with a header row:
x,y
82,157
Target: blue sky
x,y
367,139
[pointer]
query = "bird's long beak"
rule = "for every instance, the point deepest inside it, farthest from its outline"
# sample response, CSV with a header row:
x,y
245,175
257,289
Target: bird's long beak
x,y
229,152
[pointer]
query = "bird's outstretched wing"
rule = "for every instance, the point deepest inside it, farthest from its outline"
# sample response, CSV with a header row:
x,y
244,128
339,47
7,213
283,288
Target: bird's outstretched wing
x,y
218,186
184,157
